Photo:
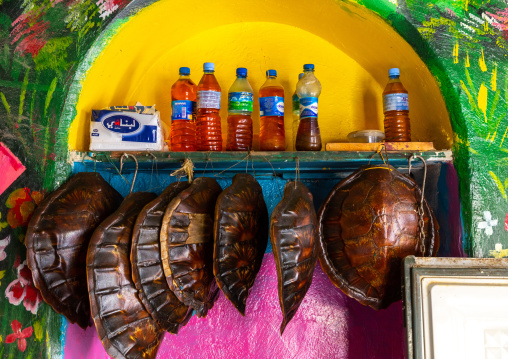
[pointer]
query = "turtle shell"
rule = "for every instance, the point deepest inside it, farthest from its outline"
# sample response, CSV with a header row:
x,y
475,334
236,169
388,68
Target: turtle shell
x,y
367,225
240,238
147,271
187,245
124,326
293,234
57,240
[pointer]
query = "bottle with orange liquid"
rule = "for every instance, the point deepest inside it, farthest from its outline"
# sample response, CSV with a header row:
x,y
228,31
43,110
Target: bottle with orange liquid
x,y
308,89
240,100
183,114
396,109
208,134
271,109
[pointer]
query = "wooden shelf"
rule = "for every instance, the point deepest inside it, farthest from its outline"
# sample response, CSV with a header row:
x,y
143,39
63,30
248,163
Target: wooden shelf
x,y
331,162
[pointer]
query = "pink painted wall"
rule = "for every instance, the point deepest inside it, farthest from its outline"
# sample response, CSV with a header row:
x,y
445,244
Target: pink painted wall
x,y
328,324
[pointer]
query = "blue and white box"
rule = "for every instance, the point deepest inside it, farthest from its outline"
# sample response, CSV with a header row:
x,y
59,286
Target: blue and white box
x,y
126,128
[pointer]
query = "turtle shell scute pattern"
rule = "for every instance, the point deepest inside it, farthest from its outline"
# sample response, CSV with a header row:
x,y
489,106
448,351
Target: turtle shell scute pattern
x,y
240,238
367,225
125,328
57,241
147,270
187,245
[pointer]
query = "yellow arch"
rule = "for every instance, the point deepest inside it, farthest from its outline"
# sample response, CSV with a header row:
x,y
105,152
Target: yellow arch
x,y
351,47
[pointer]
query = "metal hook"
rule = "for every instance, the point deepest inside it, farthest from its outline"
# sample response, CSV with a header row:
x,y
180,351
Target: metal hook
x,y
135,172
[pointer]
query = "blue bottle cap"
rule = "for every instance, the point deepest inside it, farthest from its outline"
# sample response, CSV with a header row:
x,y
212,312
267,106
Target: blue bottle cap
x,y
241,72
271,73
208,66
300,76
307,67
184,71
394,72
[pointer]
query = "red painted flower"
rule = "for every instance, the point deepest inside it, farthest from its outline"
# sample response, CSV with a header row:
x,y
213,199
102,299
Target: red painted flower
x,y
19,335
22,203
23,290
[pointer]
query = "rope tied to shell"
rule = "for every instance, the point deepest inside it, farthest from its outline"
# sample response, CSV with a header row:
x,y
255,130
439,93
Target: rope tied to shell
x,y
187,169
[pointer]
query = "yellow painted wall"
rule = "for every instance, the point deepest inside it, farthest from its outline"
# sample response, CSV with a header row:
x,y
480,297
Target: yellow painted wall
x,y
351,48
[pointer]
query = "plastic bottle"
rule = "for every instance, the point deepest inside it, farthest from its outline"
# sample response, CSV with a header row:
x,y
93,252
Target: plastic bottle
x,y
208,134
296,114
183,114
240,100
308,89
271,110
396,109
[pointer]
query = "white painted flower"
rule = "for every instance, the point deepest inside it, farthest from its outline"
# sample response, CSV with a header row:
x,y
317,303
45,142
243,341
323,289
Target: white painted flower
x,y
488,224
498,247
3,243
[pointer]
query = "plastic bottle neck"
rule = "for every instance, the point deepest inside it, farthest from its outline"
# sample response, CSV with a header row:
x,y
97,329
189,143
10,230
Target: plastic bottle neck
x,y
209,72
184,77
394,77
241,77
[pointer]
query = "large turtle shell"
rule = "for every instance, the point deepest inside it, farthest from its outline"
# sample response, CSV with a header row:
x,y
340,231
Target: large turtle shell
x,y
367,225
147,270
240,238
124,326
57,240
187,245
293,234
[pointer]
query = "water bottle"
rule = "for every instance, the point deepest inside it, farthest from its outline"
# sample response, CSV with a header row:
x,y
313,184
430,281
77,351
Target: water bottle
x,y
308,89
240,98
296,113
208,134
396,109
183,114
271,110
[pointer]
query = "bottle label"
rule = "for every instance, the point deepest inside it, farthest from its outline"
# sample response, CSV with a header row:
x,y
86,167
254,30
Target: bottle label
x,y
182,110
209,99
240,101
308,107
396,102
296,103
271,106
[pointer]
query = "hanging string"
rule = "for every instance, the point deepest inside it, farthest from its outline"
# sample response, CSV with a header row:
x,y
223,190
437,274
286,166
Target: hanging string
x,y
236,164
187,169
126,155
154,163
297,176
380,152
274,175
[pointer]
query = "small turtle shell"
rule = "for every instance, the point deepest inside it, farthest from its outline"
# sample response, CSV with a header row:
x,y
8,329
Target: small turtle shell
x,y
147,270
124,326
187,245
293,234
367,225
57,241
241,237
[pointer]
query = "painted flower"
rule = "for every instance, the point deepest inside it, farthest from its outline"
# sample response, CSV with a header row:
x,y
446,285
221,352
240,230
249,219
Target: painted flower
x,y
4,243
19,335
488,224
22,203
23,290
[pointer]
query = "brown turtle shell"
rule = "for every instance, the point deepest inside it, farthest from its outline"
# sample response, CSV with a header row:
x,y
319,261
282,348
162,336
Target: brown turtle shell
x,y
187,245
57,240
240,238
147,270
124,326
293,234
367,225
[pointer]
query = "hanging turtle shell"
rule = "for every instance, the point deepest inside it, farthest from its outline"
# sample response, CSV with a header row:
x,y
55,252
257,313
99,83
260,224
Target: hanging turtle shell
x,y
187,245
367,225
147,270
293,233
241,237
124,326
57,240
